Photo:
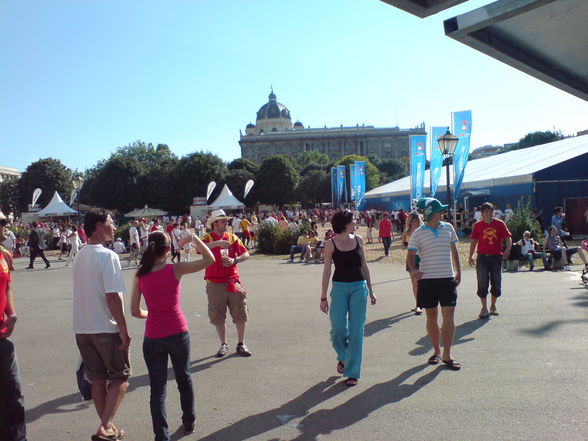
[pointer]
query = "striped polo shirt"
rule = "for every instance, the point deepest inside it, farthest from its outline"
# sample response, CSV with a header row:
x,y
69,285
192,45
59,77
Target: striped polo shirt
x,y
433,245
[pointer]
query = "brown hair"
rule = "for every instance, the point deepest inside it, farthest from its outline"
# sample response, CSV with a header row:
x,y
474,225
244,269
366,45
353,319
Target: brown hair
x,y
157,245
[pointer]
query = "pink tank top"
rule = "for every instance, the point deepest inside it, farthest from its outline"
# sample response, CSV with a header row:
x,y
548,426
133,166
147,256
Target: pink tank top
x,y
161,290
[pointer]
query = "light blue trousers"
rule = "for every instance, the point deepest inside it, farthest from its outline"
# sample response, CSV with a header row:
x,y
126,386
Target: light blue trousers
x,y
347,314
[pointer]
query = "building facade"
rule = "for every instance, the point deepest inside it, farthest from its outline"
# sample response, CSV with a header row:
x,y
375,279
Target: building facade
x,y
274,133
8,173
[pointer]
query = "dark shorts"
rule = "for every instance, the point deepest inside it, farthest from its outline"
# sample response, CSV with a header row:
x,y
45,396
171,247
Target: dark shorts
x,y
102,357
433,292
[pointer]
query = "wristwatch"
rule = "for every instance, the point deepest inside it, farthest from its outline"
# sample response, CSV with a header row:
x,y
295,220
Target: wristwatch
x,y
13,317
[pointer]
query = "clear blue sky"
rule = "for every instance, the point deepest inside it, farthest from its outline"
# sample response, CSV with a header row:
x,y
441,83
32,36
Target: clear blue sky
x,y
81,78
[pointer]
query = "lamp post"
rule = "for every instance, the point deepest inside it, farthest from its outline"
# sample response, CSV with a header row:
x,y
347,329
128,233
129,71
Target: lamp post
x,y
447,144
78,183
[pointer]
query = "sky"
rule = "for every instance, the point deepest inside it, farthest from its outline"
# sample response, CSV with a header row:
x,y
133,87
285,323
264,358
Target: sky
x,y
81,78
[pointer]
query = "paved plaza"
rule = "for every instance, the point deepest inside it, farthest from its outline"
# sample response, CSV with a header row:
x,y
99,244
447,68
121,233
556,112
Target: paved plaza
x,y
523,375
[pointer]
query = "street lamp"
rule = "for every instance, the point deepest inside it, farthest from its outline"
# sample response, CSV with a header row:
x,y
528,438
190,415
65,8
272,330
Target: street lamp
x,y
78,183
447,144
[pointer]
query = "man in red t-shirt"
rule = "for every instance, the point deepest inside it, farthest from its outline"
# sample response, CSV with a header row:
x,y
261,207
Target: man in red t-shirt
x,y
488,235
386,233
12,412
224,288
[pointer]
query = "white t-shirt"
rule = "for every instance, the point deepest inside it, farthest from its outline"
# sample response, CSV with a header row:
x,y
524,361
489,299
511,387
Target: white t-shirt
x,y
10,241
96,272
236,225
508,213
526,246
477,216
119,247
434,249
134,236
176,235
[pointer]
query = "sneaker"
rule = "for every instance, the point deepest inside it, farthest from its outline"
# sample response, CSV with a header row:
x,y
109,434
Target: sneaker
x,y
223,350
242,350
567,268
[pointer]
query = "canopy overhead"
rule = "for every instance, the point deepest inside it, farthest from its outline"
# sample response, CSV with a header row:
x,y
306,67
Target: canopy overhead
x,y
146,212
56,207
226,200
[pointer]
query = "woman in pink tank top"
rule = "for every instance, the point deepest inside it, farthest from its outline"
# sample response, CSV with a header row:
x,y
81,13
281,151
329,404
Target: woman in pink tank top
x,y
166,329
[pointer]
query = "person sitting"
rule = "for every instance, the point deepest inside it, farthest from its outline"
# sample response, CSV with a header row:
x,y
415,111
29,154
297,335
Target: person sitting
x,y
318,255
527,245
311,245
119,246
300,246
554,244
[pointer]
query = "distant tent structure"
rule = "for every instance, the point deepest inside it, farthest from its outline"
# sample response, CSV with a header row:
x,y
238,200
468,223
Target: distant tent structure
x,y
56,207
226,200
146,212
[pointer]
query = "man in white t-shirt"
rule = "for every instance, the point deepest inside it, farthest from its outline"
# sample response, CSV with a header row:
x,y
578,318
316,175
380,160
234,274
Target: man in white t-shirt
x,y
134,243
435,243
99,323
10,241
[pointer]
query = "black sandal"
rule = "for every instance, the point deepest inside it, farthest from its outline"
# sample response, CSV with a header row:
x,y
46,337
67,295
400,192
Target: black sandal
x,y
340,367
434,359
452,364
351,382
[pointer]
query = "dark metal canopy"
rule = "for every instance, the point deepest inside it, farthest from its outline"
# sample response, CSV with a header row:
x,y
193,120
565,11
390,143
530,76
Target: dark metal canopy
x,y
423,8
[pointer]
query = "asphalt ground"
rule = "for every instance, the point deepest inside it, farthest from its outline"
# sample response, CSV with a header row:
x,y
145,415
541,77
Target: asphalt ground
x,y
523,375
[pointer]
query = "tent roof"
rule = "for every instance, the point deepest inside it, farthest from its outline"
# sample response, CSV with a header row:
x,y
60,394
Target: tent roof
x,y
146,212
226,200
515,167
56,207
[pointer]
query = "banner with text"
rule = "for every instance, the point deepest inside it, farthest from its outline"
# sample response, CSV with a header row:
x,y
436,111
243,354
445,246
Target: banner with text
x,y
341,184
462,128
352,182
436,158
359,180
418,157
334,199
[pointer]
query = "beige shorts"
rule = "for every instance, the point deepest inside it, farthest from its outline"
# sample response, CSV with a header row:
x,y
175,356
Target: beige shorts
x,y
218,300
102,357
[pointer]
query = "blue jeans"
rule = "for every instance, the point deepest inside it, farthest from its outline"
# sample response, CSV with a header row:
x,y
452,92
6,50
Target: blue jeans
x,y
347,314
297,249
489,272
156,352
532,256
12,412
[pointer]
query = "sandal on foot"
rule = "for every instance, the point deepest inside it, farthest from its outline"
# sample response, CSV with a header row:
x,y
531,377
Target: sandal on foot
x,y
493,311
434,359
452,364
340,367
484,315
351,382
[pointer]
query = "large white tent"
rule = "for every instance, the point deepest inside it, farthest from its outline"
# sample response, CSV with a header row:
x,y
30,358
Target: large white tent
x,y
56,207
226,200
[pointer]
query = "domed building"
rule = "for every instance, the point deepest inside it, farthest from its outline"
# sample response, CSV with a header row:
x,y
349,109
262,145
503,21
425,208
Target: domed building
x,y
273,134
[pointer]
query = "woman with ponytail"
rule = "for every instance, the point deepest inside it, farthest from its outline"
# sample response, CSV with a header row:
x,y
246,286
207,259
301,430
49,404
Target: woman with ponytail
x,y
166,329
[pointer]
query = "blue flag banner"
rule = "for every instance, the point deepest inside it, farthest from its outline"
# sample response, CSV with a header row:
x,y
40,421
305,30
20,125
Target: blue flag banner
x,y
462,128
418,156
334,198
352,182
436,158
341,187
359,180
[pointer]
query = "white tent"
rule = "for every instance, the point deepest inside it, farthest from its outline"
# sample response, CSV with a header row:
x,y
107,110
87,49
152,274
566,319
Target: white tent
x,y
226,200
146,212
55,208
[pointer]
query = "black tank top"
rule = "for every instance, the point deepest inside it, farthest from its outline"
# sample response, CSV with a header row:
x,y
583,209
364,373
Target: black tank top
x,y
348,264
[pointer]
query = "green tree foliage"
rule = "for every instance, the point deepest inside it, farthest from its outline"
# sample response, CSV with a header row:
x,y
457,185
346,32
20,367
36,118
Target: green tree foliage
x,y
192,175
311,158
533,139
9,200
314,187
523,220
48,174
273,240
116,185
236,180
393,169
372,175
148,155
243,164
276,181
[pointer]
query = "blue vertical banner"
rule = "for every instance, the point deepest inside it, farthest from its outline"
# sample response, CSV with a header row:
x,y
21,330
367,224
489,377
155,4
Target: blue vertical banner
x,y
462,128
359,179
334,198
436,158
418,156
352,182
341,187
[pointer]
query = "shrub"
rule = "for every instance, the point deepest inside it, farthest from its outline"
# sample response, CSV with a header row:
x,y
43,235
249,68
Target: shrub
x,y
273,240
522,220
123,233
265,237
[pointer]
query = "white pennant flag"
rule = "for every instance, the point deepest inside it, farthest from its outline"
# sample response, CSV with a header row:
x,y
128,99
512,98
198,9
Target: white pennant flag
x,y
72,196
36,195
248,187
210,189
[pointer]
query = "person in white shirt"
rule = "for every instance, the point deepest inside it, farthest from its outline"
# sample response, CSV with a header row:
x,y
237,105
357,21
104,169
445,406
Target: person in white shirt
x,y
119,246
74,244
134,243
10,241
236,224
99,323
508,213
175,239
185,232
527,245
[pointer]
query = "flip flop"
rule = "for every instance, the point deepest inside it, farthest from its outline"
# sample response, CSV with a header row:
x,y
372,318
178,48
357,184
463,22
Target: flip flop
x,y
434,359
340,367
493,312
351,382
452,364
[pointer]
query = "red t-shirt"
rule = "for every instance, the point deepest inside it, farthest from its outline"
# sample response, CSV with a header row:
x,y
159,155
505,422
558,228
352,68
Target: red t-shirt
x,y
385,227
490,236
217,272
5,279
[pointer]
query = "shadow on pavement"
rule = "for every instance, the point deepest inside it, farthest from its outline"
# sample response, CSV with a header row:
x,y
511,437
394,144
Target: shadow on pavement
x,y
265,421
360,406
379,325
461,331
540,331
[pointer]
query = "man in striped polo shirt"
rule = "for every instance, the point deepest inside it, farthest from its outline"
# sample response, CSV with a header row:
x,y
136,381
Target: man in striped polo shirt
x,y
437,281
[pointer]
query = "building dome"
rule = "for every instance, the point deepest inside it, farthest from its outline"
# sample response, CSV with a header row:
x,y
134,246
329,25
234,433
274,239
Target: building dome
x,y
250,126
298,125
273,109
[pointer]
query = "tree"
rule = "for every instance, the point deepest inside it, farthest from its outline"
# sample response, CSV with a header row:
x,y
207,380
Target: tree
x,y
311,158
393,169
9,200
276,180
372,175
48,174
192,175
533,139
146,154
116,185
314,187
243,164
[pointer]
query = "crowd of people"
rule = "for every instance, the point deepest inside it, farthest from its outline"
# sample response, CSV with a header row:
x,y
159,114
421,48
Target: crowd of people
x,y
221,242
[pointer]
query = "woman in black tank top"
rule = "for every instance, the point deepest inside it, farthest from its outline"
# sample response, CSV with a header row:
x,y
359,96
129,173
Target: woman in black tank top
x,y
351,285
